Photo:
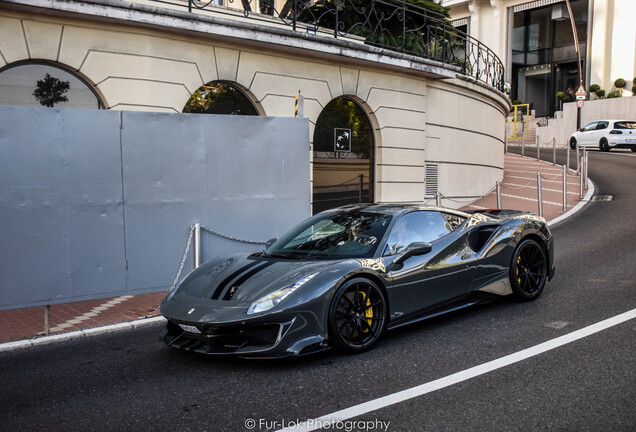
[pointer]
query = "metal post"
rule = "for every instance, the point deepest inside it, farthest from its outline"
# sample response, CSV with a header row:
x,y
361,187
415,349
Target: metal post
x,y
579,163
299,105
538,150
539,194
578,159
47,319
361,186
196,251
438,199
505,140
567,155
585,163
565,188
523,144
553,151
498,195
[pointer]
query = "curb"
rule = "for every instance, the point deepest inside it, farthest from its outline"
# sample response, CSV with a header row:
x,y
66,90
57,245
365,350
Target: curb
x,y
80,334
577,208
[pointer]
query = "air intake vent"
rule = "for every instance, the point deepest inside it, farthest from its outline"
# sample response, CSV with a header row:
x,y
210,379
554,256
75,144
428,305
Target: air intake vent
x,y
432,179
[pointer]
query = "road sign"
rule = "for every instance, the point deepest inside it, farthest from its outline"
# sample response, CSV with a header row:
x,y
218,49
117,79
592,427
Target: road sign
x,y
580,98
581,92
579,103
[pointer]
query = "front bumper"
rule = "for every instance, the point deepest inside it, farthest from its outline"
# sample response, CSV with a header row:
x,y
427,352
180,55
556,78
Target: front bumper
x,y
227,339
289,332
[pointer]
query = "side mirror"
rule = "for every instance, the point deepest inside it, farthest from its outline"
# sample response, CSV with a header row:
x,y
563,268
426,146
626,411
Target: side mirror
x,y
414,249
270,242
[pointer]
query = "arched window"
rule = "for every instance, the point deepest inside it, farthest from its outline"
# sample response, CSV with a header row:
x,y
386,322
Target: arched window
x,y
45,84
343,156
218,97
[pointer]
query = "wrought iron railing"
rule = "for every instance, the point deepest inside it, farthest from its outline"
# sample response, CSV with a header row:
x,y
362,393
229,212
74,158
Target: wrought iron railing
x,y
389,24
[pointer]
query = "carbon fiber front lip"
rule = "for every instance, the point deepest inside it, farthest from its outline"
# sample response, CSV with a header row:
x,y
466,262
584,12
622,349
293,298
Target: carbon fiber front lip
x,y
233,339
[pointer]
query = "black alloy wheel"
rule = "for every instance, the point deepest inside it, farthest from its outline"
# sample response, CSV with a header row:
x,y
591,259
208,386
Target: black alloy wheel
x,y
357,316
573,143
528,270
603,145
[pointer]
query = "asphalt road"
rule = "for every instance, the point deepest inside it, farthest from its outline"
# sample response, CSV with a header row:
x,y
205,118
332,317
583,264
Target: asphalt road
x,y
130,381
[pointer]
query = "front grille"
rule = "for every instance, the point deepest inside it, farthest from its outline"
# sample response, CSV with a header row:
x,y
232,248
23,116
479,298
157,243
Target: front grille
x,y
255,336
226,339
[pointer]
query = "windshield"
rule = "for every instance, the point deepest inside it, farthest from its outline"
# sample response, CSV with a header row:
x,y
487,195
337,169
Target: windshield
x,y
332,236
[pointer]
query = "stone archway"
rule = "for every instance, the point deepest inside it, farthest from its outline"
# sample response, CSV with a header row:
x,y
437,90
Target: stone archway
x,y
220,97
344,156
41,83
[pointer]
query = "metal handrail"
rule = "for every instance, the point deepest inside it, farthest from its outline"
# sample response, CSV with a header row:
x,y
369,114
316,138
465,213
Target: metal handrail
x,y
389,24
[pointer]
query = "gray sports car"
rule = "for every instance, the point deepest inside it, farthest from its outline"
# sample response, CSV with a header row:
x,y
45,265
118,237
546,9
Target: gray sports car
x,y
344,276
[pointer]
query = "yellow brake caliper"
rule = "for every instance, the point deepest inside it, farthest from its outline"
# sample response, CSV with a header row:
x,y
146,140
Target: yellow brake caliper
x,y
367,312
518,262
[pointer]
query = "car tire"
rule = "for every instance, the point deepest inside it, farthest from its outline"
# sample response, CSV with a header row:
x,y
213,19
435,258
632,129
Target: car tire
x,y
573,143
603,145
528,270
357,315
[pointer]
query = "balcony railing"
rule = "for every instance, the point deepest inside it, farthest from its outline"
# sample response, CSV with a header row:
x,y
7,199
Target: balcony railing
x,y
390,24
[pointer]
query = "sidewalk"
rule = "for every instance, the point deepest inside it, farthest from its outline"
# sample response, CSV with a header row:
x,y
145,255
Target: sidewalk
x,y
518,191
519,188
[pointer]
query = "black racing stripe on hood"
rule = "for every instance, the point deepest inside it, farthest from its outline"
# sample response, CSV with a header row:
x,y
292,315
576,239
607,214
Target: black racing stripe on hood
x,y
230,278
230,292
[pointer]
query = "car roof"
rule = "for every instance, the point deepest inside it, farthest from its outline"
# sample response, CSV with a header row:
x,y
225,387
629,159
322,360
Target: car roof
x,y
611,120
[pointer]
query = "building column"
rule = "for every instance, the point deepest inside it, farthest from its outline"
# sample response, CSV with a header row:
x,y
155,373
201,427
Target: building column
x,y
474,10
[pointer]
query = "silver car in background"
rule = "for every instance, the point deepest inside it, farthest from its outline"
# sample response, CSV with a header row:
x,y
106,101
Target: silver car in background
x,y
606,135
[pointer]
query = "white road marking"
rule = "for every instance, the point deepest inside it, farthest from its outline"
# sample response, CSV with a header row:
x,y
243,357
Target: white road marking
x,y
532,199
542,181
542,188
404,395
90,314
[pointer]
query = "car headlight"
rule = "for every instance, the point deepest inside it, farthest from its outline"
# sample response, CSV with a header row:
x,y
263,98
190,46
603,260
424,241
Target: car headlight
x,y
271,300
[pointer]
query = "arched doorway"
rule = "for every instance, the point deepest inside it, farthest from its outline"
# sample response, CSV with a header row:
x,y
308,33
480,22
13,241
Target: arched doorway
x,y
220,97
45,84
344,153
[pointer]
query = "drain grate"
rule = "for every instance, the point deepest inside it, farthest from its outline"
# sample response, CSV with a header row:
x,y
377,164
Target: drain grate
x,y
602,198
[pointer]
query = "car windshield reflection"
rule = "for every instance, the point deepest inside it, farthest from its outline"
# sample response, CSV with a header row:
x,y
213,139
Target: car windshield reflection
x,y
333,236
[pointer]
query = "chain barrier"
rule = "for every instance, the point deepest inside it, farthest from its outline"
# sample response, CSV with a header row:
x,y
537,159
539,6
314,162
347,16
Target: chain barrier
x,y
560,175
520,187
469,200
462,201
225,236
185,257
183,260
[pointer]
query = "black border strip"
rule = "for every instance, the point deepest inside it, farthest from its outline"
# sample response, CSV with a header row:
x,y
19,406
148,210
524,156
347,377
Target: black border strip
x,y
227,280
229,294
